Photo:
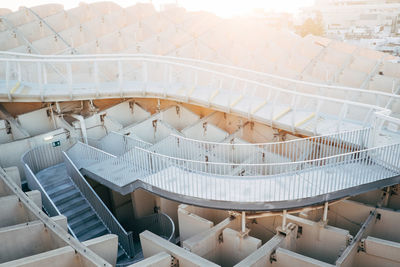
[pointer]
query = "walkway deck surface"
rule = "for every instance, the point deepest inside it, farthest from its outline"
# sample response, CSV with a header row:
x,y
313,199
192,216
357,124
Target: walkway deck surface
x,y
324,182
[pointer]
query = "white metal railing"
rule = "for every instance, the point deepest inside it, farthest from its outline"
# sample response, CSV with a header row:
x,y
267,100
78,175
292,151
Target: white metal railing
x,y
318,176
378,98
274,152
269,182
161,76
158,223
264,169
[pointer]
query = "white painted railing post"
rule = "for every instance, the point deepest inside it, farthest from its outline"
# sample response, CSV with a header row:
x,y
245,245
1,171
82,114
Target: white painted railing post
x,y
120,77
243,221
196,77
342,115
44,74
96,76
69,77
317,111
19,71
294,108
8,79
145,77
40,79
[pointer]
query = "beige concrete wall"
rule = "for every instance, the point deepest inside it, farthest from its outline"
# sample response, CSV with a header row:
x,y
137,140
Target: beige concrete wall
x,y
29,239
153,244
104,246
382,248
348,215
208,243
170,208
235,248
213,215
123,207
362,259
318,241
161,259
13,173
191,224
13,212
143,203
286,258
261,257
264,228
387,226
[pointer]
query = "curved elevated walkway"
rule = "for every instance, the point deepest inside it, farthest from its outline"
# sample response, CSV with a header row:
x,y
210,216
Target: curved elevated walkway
x,y
285,186
309,108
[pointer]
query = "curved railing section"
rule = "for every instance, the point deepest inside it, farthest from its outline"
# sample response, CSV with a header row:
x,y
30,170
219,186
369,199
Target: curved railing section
x,y
158,223
134,76
329,174
272,182
207,182
378,98
124,238
274,152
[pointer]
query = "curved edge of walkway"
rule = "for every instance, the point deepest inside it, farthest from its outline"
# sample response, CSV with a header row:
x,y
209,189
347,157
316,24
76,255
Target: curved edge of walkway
x,y
248,206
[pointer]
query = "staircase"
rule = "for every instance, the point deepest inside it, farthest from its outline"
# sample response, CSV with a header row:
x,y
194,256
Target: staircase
x,y
83,221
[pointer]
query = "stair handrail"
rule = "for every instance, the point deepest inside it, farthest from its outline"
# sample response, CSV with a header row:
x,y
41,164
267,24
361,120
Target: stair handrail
x,y
124,238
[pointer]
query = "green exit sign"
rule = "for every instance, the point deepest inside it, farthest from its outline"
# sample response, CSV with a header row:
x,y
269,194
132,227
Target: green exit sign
x,y
56,143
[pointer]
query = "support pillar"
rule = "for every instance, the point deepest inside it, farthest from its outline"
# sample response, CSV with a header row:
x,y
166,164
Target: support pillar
x,y
243,221
325,216
284,220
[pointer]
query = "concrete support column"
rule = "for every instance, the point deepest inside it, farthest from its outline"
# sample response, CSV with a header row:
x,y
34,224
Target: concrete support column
x,y
243,221
325,216
284,220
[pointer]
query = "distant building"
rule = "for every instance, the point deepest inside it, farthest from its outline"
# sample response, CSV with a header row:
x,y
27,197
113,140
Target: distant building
x,y
372,23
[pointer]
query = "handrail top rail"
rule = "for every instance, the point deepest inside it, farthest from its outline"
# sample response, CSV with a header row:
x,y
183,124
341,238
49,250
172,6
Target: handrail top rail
x,y
268,143
264,164
120,56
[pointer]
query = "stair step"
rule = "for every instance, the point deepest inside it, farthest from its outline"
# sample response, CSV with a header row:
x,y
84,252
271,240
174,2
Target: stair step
x,y
96,232
77,211
87,216
54,182
62,198
61,189
83,227
71,203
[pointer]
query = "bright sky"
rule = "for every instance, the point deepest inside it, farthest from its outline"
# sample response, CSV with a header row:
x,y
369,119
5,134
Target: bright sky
x,y
224,8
